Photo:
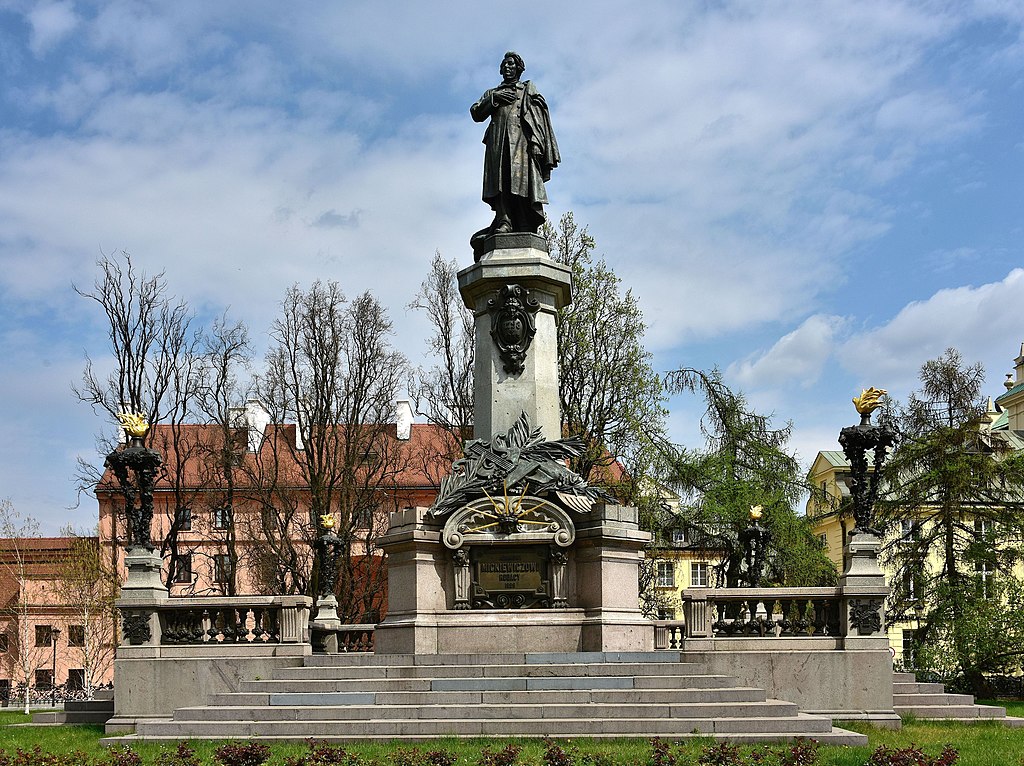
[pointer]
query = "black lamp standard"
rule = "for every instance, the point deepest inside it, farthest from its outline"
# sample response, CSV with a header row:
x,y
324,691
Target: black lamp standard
x,y
54,635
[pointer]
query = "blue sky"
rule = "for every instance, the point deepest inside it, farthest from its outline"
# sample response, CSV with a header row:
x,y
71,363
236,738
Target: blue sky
x,y
814,197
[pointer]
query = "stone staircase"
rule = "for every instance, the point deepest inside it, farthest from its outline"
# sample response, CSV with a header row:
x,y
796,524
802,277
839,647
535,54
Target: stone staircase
x,y
404,697
931,701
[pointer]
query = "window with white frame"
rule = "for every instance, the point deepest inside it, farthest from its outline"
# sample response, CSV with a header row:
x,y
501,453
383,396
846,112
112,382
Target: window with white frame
x,y
221,568
678,537
699,574
909,530
666,574
182,569
982,527
910,585
984,573
909,645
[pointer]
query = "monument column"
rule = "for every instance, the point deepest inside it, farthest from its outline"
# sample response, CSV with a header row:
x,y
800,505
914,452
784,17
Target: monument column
x,y
515,291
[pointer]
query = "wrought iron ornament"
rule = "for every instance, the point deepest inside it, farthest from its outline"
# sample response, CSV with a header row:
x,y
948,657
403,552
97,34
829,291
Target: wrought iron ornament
x,y
866,615
136,627
135,468
856,442
512,313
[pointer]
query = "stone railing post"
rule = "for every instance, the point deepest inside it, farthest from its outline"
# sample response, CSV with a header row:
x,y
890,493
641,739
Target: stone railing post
x,y
696,611
863,593
295,619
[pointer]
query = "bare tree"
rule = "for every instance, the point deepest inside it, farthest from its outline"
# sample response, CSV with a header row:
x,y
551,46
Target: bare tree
x,y
155,372
444,392
23,657
331,371
87,587
226,356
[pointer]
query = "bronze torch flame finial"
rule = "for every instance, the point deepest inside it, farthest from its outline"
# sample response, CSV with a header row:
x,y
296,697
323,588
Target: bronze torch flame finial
x,y
869,400
134,423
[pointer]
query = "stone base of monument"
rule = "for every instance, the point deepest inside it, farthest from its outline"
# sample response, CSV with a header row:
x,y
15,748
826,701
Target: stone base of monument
x,y
595,578
359,697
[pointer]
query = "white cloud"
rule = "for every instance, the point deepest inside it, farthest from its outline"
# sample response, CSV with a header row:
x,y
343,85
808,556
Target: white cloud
x,y
51,23
798,356
982,322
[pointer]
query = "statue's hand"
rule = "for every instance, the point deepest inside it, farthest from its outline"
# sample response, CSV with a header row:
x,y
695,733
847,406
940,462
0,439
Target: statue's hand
x,y
503,96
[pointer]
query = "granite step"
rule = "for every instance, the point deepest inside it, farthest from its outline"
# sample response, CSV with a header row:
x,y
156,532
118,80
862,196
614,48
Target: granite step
x,y
304,673
314,707
95,711
836,736
378,728
596,694
946,711
261,696
930,701
495,683
458,660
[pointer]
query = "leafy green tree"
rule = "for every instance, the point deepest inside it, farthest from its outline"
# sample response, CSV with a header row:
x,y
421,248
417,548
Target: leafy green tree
x,y
743,463
954,495
610,394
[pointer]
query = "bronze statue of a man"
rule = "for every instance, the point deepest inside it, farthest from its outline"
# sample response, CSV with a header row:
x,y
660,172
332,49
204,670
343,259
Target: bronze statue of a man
x,y
521,151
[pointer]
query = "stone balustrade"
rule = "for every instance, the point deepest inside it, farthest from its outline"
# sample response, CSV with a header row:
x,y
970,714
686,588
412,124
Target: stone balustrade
x,y
762,612
773,613
355,638
669,634
216,621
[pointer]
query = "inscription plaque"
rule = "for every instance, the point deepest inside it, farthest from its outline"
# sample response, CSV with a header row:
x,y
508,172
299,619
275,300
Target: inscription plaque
x,y
510,570
511,578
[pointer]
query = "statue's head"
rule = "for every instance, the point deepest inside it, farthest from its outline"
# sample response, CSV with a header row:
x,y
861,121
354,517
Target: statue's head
x,y
512,66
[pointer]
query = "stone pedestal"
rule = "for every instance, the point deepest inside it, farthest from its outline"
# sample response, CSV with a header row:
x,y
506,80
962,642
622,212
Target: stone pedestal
x,y
862,561
143,581
601,611
141,595
863,587
501,396
324,628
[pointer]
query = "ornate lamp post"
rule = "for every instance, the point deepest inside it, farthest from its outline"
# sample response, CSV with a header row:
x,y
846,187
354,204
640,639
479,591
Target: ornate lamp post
x,y
324,627
755,544
329,545
135,468
864,612
856,442
54,635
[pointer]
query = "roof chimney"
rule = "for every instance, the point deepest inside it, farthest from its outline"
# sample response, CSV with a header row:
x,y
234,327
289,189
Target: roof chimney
x,y
255,419
403,419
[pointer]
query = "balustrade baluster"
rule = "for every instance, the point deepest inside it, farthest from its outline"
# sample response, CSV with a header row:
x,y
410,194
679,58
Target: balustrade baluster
x,y
273,623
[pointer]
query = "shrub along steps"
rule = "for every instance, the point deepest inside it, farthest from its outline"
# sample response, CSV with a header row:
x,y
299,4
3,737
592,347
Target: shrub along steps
x,y
911,698
342,698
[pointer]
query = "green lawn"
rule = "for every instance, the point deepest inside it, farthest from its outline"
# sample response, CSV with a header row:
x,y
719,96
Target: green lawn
x,y
983,744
